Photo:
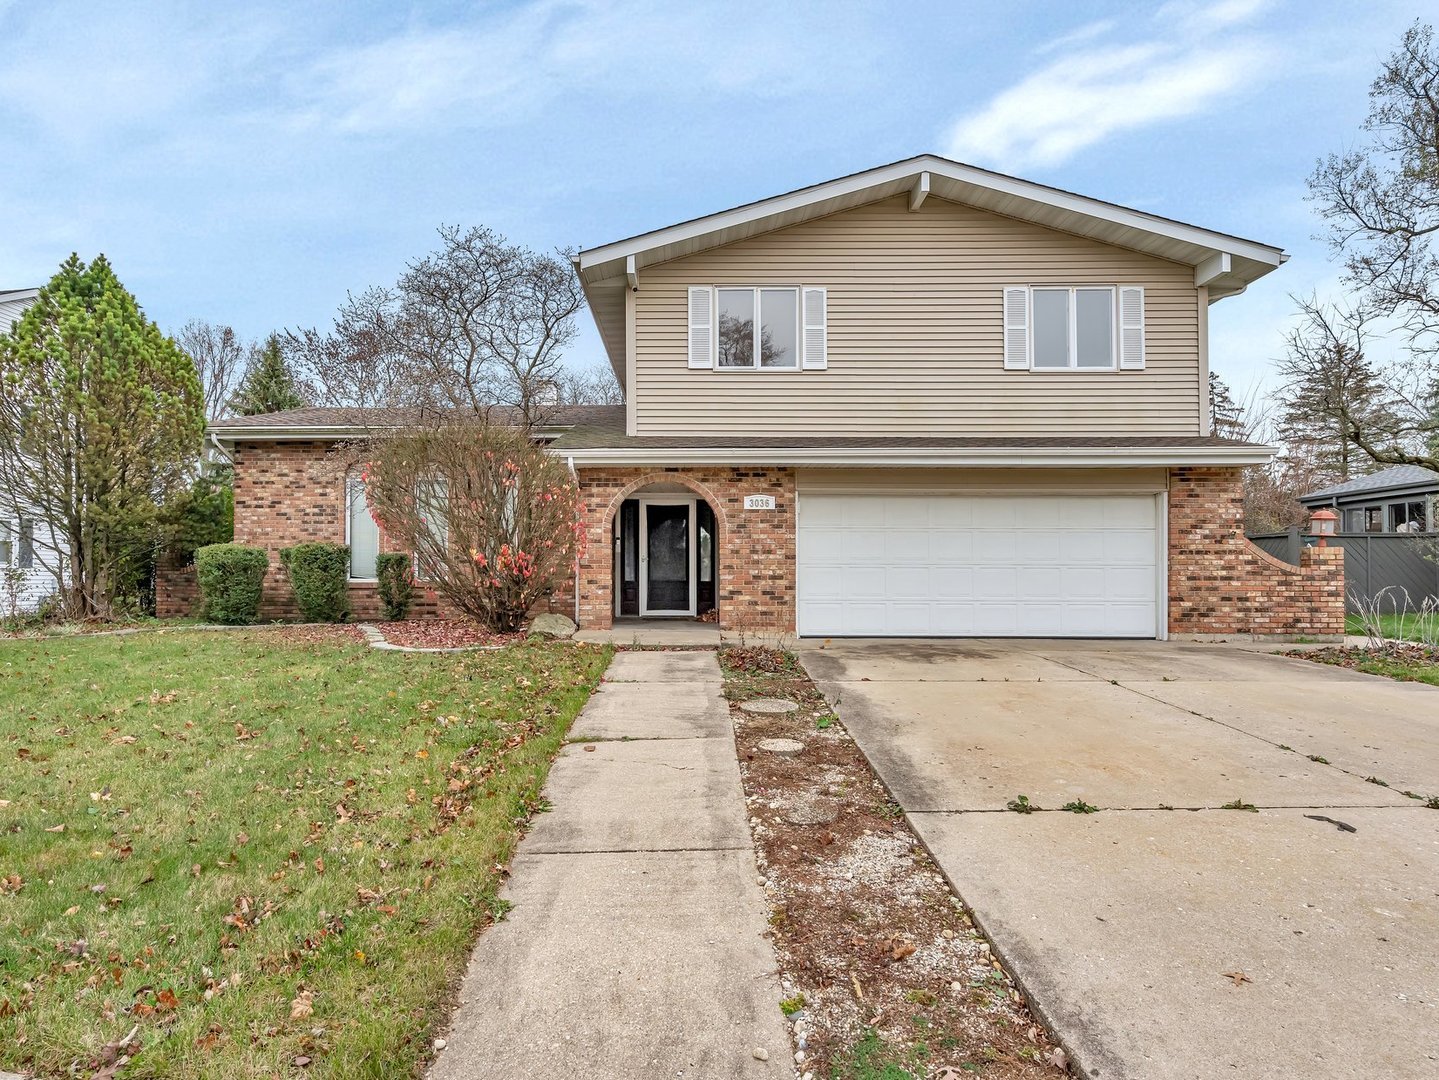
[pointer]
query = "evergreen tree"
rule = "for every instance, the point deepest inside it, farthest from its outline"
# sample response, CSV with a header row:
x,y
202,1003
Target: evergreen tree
x,y
1226,416
269,385
101,421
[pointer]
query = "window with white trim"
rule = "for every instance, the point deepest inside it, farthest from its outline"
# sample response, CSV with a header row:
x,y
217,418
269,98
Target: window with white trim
x,y
758,328
1073,327
361,532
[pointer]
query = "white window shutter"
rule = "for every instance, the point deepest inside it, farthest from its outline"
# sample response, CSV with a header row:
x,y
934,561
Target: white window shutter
x,y
701,348
1016,328
816,333
1131,328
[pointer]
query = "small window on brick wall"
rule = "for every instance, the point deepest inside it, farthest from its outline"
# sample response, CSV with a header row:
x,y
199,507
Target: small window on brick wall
x,y
361,532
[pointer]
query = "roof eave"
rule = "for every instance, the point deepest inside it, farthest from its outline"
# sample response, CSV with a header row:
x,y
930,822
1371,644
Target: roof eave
x,y
919,457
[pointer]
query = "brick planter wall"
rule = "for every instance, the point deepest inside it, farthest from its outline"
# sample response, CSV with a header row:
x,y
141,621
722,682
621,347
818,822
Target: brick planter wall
x,y
754,548
1220,584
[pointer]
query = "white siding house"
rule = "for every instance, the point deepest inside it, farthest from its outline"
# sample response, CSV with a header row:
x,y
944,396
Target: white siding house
x,y
32,555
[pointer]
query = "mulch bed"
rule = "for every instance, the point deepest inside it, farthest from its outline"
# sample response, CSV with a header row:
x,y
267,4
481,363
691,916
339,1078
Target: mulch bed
x,y
884,972
441,634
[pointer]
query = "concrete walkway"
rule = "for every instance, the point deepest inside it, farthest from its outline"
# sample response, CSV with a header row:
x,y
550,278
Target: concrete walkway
x,y
635,945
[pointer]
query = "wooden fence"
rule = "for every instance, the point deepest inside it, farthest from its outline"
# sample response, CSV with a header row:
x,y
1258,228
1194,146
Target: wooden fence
x,y
1372,561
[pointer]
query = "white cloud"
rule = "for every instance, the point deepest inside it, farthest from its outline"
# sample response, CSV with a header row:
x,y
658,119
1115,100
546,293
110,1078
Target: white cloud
x,y
502,68
1195,57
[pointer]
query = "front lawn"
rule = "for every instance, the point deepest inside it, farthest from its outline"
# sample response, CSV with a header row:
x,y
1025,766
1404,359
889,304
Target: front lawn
x,y
1408,626
268,852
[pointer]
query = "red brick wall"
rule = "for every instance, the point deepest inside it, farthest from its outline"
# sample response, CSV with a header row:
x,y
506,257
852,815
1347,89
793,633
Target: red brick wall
x,y
288,493
1220,583
754,548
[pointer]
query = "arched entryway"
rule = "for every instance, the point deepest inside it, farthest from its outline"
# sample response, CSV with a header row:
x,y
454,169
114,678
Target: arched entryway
x,y
666,553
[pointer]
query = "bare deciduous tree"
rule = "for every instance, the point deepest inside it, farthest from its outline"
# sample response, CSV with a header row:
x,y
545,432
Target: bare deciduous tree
x,y
476,324
219,357
1381,204
1337,401
593,385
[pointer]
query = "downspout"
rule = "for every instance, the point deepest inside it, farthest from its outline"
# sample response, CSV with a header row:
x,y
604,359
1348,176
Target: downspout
x,y
570,461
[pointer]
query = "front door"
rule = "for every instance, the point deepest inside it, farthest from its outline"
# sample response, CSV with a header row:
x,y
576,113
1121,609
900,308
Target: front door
x,y
666,551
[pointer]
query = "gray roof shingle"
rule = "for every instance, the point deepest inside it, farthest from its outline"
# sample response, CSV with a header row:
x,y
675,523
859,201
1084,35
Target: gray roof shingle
x,y
1399,476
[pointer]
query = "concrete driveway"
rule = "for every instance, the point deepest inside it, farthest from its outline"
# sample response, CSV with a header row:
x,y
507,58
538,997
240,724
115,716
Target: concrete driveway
x,y
1127,927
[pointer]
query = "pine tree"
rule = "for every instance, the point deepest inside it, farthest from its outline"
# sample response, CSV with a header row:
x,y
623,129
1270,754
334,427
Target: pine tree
x,y
269,385
1226,416
101,421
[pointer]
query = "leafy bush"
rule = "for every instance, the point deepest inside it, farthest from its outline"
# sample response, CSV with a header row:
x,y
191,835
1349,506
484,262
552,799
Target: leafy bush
x,y
205,514
319,574
230,578
397,584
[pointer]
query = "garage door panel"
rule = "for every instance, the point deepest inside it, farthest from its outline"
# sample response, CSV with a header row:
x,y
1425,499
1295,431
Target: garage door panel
x,y
907,545
921,565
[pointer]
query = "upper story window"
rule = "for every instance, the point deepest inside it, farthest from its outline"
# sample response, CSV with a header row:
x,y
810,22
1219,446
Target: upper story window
x,y
1074,328
758,328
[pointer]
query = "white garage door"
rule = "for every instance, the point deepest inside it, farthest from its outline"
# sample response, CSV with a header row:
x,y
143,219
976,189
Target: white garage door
x,y
978,565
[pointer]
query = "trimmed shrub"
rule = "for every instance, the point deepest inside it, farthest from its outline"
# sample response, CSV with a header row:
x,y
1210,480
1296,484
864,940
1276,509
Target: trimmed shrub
x,y
230,578
396,576
319,574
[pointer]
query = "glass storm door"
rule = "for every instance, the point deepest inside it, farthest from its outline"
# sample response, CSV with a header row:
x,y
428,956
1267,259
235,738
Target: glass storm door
x,y
667,557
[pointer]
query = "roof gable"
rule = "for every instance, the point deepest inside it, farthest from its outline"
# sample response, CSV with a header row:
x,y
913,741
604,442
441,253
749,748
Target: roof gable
x,y
1225,264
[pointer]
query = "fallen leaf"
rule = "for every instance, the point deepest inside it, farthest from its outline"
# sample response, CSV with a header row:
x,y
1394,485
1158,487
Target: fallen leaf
x,y
71,910
319,866
302,1061
1238,977
56,828
303,1007
242,839
166,1001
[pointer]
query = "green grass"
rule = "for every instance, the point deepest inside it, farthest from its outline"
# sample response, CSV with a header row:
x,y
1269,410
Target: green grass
x,y
270,819
1389,665
873,1059
1404,627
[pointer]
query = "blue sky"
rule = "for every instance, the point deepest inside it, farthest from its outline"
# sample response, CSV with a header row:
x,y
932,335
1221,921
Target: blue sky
x,y
250,163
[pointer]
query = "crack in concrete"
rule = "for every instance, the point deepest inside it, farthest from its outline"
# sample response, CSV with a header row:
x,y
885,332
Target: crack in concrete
x,y
1285,747
1176,809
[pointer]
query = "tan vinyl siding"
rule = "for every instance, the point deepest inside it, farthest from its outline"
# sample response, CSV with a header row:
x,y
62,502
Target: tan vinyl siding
x,y
979,481
915,333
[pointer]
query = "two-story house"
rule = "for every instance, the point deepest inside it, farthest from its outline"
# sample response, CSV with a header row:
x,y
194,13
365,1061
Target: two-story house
x,y
922,400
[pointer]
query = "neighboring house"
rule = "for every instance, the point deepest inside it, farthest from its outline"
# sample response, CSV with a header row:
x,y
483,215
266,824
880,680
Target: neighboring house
x,y
32,555
922,400
1402,499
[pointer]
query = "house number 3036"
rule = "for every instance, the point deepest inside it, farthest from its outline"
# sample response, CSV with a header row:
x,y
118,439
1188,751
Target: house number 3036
x,y
759,502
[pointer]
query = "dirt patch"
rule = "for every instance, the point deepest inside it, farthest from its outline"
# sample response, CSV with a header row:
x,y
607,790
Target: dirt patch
x,y
441,634
884,973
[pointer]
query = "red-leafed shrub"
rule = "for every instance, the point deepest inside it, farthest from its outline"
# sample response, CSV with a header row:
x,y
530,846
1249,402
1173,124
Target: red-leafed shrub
x,y
493,520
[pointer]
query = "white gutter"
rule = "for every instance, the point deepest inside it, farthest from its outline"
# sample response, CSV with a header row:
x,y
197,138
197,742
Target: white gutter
x,y
915,457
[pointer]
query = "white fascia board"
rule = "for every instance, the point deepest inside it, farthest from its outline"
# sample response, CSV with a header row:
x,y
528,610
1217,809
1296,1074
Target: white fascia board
x,y
912,170
908,457
919,192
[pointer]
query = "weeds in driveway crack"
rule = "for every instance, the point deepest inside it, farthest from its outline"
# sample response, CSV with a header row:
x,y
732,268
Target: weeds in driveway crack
x,y
1022,805
1319,760
1079,806
1376,780
1240,804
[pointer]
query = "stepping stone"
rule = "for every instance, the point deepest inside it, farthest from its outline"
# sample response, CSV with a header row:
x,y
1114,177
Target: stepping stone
x,y
768,706
812,812
782,747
